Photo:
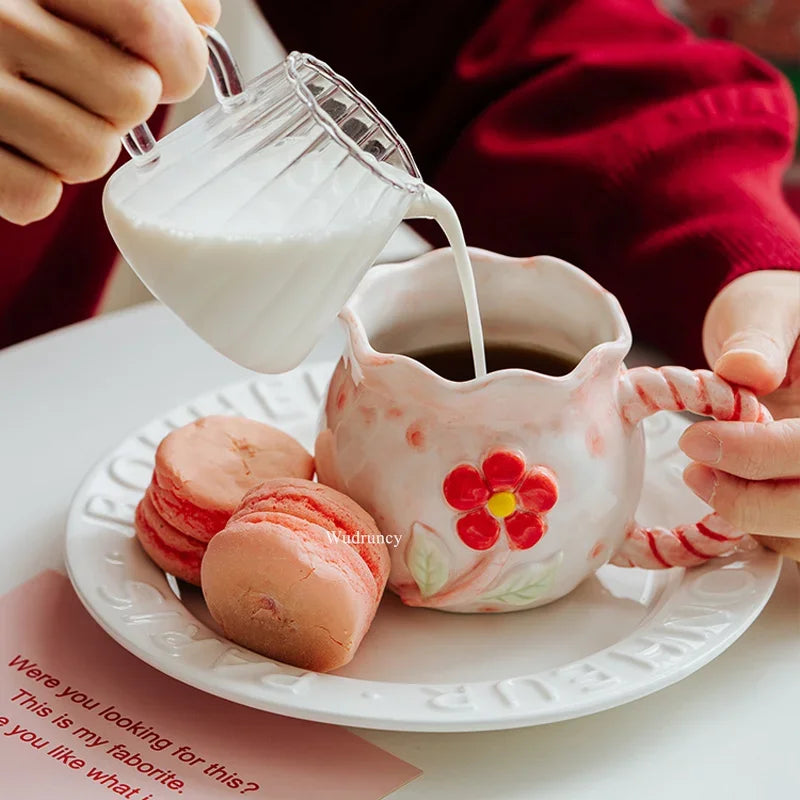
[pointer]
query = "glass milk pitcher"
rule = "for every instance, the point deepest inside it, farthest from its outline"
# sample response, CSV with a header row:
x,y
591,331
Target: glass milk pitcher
x,y
255,220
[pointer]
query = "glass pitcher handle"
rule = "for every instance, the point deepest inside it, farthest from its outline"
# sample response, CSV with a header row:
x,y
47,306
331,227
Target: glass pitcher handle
x,y
228,87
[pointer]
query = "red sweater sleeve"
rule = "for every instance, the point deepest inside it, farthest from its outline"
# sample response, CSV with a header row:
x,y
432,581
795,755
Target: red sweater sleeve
x,y
599,131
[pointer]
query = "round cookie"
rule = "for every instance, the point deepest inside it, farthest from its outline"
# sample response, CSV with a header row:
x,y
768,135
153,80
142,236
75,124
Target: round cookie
x,y
282,579
322,505
203,470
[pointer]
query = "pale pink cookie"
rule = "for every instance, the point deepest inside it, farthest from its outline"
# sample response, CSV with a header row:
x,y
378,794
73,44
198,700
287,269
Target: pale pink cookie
x,y
173,551
282,579
204,469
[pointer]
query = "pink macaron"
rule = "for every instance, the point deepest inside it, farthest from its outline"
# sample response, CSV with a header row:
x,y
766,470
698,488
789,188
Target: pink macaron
x,y
203,470
173,551
297,574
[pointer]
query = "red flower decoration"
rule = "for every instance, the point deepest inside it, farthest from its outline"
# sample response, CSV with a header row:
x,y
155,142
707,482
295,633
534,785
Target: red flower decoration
x,y
501,490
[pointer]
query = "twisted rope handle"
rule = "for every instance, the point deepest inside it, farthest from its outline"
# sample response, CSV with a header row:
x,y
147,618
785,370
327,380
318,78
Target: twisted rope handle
x,y
643,392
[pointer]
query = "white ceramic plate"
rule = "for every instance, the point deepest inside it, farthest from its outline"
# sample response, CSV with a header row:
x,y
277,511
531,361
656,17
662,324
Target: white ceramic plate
x,y
621,635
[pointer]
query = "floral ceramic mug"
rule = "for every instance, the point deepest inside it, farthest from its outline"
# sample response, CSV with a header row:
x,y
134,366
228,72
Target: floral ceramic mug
x,y
505,492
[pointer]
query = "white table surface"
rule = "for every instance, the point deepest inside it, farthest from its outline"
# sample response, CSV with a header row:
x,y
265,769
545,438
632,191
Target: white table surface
x,y
731,730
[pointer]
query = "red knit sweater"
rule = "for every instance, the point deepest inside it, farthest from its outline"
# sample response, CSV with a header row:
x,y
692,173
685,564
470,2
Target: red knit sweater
x,y
596,130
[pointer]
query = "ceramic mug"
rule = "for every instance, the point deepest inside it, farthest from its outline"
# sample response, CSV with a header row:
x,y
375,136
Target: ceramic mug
x,y
505,492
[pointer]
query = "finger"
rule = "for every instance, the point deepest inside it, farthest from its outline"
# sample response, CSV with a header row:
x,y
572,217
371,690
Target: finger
x,y
84,68
783,545
161,32
769,507
784,402
203,12
752,450
74,144
751,328
28,192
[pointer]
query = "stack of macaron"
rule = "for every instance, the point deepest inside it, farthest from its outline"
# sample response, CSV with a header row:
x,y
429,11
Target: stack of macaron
x,y
289,568
202,471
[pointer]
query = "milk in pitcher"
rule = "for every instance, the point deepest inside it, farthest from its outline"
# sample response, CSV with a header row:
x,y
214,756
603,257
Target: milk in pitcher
x,y
258,259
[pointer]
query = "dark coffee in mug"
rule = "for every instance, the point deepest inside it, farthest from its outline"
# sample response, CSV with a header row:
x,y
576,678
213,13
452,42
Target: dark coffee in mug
x,y
454,362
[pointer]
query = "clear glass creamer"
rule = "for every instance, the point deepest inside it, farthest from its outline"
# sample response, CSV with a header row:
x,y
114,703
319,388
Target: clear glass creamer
x,y
255,220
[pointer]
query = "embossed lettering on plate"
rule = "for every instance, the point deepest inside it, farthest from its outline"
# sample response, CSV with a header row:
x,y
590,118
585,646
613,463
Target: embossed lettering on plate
x,y
102,508
586,676
132,473
456,698
529,688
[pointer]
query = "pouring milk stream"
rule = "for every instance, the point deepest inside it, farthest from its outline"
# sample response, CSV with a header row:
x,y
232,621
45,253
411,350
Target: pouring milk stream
x,y
255,223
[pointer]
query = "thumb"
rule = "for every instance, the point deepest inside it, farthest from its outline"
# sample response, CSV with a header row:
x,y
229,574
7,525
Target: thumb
x,y
203,12
751,328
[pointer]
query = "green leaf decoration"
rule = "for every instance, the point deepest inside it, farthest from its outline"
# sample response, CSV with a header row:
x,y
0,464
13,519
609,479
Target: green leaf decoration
x,y
427,560
526,583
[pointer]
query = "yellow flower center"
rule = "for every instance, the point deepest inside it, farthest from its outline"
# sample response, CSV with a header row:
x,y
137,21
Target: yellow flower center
x,y
502,504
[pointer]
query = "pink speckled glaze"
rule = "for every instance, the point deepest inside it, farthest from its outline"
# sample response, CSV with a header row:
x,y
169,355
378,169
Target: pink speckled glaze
x,y
414,449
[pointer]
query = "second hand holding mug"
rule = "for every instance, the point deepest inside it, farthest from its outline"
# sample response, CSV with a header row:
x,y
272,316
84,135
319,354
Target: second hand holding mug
x,y
506,492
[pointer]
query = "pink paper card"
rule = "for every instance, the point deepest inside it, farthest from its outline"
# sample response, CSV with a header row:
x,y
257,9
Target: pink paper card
x,y
81,718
